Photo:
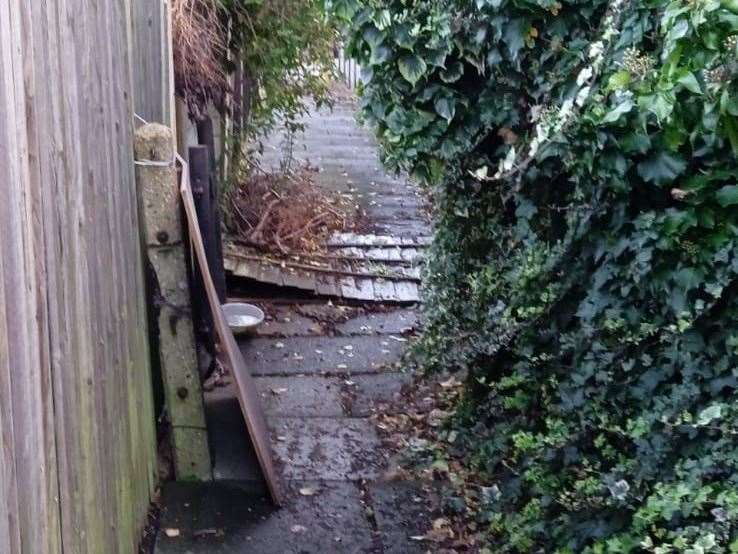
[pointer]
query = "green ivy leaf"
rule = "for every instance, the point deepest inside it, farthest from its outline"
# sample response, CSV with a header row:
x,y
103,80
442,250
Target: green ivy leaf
x,y
660,104
436,58
380,54
613,115
494,57
412,68
382,19
514,36
690,82
403,37
710,414
373,36
453,73
662,167
619,80
727,196
445,107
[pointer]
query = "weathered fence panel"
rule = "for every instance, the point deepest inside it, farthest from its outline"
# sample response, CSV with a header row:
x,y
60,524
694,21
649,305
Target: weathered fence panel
x,y
151,54
347,68
76,416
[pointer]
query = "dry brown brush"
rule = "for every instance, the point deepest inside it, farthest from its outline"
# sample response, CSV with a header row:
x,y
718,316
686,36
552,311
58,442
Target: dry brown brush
x,y
200,47
287,213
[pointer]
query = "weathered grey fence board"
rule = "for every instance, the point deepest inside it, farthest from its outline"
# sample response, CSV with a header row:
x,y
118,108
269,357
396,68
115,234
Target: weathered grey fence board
x,y
153,80
78,452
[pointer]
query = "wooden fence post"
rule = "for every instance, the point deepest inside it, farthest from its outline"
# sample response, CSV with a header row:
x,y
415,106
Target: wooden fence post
x,y
206,136
169,297
199,165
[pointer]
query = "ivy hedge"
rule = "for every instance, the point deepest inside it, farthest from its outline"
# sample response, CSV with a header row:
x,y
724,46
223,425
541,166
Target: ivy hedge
x,y
581,155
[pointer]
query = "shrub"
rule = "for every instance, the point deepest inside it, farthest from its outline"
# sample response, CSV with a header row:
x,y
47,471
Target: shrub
x,y
581,157
286,47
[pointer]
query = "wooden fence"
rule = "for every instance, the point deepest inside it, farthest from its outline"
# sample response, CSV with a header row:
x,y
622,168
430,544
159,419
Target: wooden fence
x,y
151,54
347,68
77,440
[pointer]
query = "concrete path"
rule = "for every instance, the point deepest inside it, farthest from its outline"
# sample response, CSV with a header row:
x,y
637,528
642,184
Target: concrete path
x,y
322,370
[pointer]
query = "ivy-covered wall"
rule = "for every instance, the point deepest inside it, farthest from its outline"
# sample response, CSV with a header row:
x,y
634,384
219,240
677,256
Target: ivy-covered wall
x,y
582,160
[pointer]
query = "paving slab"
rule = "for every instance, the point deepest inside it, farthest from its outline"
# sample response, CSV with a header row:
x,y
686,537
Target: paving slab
x,y
368,394
327,448
403,510
225,518
293,396
298,396
391,322
294,320
286,321
322,355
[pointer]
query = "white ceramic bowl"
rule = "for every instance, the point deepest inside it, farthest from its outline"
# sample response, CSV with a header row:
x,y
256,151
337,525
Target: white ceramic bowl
x,y
243,318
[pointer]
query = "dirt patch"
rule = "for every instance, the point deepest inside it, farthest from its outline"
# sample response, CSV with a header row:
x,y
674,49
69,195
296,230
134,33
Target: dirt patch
x,y
427,450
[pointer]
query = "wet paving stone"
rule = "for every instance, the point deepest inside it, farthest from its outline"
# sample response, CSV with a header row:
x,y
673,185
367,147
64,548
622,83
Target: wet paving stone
x,y
301,396
225,518
391,322
327,448
376,393
403,511
322,355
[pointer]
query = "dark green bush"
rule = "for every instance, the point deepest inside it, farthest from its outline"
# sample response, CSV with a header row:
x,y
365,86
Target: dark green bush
x,y
582,160
286,47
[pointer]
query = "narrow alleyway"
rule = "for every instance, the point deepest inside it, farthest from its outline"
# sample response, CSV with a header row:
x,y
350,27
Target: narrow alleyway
x,y
323,368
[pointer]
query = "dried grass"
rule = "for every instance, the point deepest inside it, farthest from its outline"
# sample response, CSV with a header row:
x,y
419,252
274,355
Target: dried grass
x,y
200,45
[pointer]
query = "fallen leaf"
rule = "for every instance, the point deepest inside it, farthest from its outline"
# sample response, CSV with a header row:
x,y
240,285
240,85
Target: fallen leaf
x,y
450,383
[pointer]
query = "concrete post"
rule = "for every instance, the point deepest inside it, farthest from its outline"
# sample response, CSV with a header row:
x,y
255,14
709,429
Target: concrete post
x,y
169,298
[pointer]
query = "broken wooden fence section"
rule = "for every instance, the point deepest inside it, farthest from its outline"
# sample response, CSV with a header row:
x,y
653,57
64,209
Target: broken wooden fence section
x,y
354,266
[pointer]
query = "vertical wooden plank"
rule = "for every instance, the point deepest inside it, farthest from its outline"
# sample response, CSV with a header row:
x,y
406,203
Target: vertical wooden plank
x,y
140,397
116,457
9,536
25,297
74,351
153,72
10,540
42,131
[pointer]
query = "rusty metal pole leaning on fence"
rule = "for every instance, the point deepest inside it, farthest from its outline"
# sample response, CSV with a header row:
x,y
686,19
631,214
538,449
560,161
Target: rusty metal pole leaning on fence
x,y
173,340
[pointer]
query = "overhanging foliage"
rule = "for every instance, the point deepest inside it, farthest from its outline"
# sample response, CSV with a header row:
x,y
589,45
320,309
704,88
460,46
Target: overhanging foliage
x,y
582,159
